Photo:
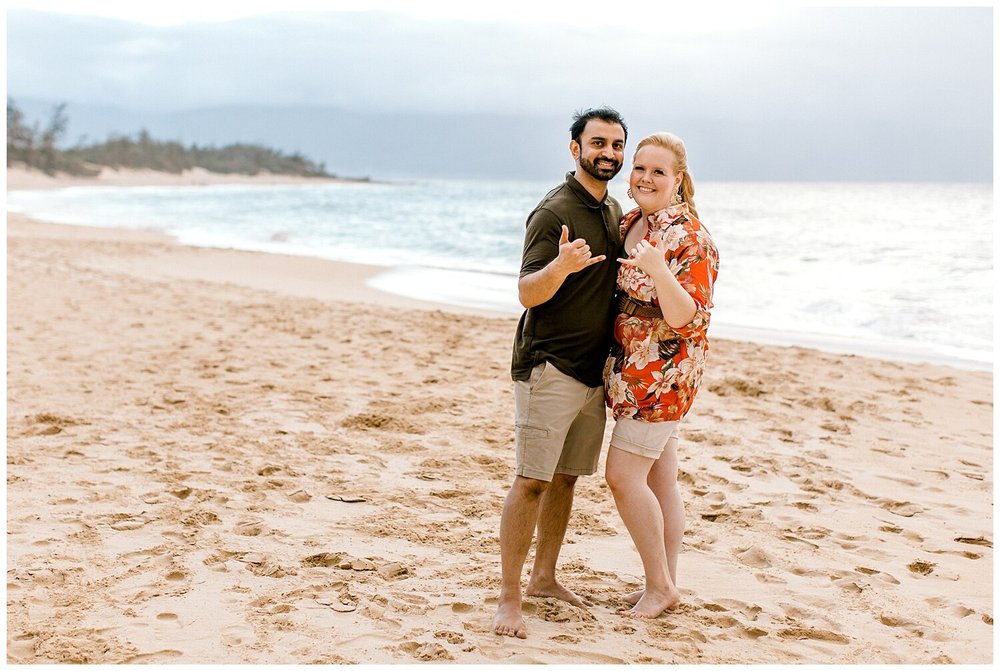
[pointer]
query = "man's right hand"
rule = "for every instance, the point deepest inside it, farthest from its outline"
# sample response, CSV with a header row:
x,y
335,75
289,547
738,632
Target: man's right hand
x,y
538,287
574,256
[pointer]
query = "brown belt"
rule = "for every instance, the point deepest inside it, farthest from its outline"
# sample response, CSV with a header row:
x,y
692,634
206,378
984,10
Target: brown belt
x,y
631,306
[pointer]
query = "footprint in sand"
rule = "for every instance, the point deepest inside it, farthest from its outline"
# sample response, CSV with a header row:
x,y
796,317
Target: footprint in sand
x,y
200,518
848,541
920,567
715,499
249,527
452,637
412,599
753,557
796,539
704,542
901,508
393,571
962,612
261,565
893,621
801,633
753,633
881,575
236,635
427,652
158,657
338,597
127,521
553,610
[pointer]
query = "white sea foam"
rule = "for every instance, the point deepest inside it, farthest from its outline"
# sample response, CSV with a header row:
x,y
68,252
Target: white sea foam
x,y
487,291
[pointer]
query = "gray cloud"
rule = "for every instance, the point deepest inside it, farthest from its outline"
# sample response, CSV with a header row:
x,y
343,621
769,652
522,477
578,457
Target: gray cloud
x,y
884,93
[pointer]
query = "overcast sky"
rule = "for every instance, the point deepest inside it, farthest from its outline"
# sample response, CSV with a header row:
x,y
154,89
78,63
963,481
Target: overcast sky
x,y
916,80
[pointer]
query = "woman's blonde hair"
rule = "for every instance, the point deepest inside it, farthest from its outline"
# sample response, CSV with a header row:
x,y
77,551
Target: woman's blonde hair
x,y
676,146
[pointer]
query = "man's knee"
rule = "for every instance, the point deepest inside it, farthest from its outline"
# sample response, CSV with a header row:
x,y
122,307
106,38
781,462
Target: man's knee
x,y
529,488
564,481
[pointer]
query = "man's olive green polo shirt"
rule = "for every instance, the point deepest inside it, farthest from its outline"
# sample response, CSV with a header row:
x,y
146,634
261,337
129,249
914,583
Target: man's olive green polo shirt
x,y
572,330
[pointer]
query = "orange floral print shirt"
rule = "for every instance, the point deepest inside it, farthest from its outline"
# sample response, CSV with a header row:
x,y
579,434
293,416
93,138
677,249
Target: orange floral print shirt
x,y
654,370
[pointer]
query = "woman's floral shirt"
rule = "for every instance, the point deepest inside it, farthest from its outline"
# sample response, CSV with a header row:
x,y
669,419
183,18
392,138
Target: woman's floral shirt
x,y
654,370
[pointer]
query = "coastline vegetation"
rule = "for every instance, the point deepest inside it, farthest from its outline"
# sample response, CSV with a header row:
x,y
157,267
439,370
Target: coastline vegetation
x,y
38,148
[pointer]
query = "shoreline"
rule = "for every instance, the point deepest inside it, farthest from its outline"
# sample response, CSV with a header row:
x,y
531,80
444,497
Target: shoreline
x,y
326,464
297,276
20,178
402,285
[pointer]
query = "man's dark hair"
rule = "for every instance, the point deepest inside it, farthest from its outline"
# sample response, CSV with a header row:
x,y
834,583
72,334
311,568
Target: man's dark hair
x,y
608,114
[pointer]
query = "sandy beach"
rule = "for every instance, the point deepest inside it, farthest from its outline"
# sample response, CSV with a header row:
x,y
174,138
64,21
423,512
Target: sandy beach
x,y
228,457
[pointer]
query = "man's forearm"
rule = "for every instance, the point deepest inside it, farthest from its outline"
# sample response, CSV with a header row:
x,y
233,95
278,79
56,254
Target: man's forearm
x,y
538,287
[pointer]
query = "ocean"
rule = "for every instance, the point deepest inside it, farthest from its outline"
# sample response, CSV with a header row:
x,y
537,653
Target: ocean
x,y
896,271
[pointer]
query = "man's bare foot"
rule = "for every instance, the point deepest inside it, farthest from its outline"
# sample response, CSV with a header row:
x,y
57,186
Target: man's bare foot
x,y
651,604
632,598
555,590
508,621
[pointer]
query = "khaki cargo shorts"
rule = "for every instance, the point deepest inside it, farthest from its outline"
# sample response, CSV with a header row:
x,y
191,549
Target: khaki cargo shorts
x,y
558,424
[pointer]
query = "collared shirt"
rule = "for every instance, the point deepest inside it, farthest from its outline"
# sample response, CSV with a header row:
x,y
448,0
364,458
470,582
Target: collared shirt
x,y
656,369
572,329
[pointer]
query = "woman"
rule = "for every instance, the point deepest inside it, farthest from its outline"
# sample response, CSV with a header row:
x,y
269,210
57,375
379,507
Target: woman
x,y
656,364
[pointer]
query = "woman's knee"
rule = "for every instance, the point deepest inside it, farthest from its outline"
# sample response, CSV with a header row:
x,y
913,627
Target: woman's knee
x,y
622,474
613,478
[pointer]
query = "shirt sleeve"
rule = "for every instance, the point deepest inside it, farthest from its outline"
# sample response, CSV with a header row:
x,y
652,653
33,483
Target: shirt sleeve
x,y
541,241
699,267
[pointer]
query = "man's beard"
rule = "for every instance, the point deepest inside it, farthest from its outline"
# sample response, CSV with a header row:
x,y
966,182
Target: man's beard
x,y
603,174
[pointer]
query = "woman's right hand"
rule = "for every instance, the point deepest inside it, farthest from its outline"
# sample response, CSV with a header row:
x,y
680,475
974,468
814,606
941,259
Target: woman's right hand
x,y
648,258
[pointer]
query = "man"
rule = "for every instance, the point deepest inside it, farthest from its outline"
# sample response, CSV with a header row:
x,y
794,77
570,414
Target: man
x,y
567,283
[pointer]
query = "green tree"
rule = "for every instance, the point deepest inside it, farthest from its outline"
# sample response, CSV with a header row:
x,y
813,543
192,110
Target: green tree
x,y
50,158
20,137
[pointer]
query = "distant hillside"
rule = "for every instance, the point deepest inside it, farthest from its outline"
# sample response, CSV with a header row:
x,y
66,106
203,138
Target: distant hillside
x,y
354,144
39,148
406,145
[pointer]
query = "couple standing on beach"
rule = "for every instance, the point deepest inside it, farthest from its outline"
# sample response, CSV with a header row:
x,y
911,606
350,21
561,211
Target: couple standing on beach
x,y
584,297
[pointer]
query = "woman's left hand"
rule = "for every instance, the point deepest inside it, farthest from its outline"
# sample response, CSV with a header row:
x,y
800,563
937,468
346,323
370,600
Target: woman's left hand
x,y
647,258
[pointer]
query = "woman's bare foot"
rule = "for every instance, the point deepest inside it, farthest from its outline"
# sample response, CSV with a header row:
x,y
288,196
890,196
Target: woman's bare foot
x,y
652,603
555,590
632,598
508,621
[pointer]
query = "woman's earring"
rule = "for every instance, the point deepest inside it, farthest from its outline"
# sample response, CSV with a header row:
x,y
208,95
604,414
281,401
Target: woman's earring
x,y
629,194
676,199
